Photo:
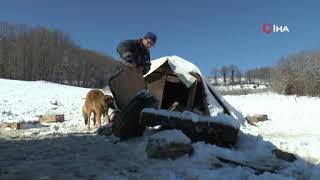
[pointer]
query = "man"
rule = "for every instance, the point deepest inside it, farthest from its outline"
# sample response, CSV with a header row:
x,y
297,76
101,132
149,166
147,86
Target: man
x,y
135,53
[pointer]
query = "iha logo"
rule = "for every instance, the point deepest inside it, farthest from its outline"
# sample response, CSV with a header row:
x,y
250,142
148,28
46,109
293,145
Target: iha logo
x,y
269,28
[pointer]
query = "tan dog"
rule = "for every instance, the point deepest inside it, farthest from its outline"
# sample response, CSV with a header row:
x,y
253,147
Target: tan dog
x,y
99,104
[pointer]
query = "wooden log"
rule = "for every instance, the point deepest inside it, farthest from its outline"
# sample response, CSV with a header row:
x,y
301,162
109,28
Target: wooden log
x,y
284,155
256,118
51,118
210,132
13,125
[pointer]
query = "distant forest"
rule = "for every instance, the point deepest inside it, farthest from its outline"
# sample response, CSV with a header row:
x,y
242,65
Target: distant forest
x,y
38,53
296,74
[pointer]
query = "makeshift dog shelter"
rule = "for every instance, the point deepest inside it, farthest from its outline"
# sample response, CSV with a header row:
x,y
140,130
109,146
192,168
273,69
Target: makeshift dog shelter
x,y
173,79
185,100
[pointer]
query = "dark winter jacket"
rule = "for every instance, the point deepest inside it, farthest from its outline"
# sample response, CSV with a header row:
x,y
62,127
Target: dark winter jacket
x,y
133,52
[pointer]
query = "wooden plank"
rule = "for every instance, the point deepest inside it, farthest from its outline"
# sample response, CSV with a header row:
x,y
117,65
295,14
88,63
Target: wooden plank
x,y
191,96
225,109
258,169
156,87
51,118
125,85
173,79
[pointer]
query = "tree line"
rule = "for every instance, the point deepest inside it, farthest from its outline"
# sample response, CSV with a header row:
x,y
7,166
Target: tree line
x,y
230,74
38,53
297,74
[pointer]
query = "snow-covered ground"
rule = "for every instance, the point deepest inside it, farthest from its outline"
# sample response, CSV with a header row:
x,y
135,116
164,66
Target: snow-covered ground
x,y
240,87
294,121
244,80
69,151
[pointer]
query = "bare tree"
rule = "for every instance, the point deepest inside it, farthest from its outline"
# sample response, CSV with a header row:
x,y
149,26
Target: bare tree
x,y
224,71
232,69
214,74
259,75
238,75
297,74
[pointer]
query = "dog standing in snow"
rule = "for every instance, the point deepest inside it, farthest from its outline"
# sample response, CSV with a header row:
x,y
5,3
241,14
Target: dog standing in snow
x,y
98,104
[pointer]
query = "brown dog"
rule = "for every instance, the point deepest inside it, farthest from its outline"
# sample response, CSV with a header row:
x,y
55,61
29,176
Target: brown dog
x,y
99,104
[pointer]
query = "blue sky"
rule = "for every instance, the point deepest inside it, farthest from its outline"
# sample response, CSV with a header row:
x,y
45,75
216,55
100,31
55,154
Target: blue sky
x,y
208,33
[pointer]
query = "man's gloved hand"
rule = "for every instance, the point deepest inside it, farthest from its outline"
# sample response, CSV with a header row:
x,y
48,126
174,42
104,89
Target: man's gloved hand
x,y
146,68
128,56
132,65
140,69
